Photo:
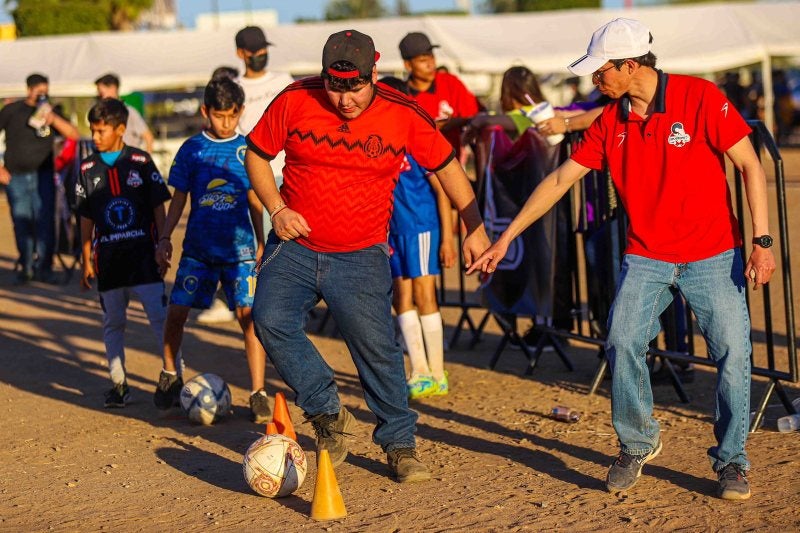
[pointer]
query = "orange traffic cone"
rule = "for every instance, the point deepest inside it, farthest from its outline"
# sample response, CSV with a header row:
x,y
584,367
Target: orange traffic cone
x,y
328,503
281,418
272,429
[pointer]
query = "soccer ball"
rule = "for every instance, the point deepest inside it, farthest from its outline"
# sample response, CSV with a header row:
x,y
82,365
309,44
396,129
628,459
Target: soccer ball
x,y
205,399
274,466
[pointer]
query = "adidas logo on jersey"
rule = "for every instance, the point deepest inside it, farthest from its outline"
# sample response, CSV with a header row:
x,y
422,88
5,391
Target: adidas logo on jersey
x,y
344,128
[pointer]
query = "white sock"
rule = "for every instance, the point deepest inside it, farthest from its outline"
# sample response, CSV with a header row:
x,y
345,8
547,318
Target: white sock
x,y
433,333
116,370
170,372
411,329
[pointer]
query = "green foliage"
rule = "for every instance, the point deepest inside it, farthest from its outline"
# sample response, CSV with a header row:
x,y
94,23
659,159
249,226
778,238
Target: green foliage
x,y
354,9
513,6
53,17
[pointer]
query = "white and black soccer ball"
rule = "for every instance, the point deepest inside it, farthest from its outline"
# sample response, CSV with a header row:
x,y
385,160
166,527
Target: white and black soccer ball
x,y
206,398
274,466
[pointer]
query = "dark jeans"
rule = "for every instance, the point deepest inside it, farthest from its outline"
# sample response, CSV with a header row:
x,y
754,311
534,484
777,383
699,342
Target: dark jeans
x,y
357,286
31,197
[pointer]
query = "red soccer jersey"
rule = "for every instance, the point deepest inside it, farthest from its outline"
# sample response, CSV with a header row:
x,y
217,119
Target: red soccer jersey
x,y
447,97
669,170
339,173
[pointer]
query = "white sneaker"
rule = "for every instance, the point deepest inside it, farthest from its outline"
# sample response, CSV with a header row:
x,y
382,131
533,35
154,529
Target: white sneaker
x,y
218,312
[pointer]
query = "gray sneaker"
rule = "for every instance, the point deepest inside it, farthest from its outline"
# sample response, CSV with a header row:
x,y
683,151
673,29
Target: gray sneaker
x,y
259,407
406,466
627,469
733,483
331,431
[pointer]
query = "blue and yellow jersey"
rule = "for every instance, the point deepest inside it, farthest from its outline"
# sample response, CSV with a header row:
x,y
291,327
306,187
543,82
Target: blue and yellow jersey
x,y
211,171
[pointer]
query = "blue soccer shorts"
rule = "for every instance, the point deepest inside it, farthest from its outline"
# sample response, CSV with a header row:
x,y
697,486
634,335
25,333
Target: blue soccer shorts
x,y
415,255
196,283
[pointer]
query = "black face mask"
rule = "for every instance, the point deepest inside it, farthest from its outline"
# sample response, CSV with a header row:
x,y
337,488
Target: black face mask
x,y
258,63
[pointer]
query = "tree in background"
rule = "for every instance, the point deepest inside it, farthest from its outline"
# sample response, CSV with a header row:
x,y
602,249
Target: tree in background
x,y
513,6
53,17
354,9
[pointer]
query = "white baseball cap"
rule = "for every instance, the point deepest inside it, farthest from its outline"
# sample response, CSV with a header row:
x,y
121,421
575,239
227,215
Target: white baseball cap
x,y
619,39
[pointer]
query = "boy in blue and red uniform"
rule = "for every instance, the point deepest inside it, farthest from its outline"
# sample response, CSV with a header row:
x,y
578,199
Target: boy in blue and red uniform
x,y
420,236
223,238
120,200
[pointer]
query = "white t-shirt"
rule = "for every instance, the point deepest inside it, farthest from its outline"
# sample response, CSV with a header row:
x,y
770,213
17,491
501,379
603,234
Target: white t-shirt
x,y
258,93
135,129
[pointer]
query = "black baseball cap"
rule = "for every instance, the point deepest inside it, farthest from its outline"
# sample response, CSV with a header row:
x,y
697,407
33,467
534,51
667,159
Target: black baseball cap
x,y
416,44
351,46
252,39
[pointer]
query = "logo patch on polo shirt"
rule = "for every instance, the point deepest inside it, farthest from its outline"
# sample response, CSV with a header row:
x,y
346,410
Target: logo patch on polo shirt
x,y
678,137
134,180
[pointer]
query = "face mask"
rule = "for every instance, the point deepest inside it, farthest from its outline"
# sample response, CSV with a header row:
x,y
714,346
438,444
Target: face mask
x,y
258,63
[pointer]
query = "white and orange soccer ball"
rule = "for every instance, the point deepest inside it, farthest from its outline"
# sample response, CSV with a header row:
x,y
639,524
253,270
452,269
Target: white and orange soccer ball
x,y
274,466
205,399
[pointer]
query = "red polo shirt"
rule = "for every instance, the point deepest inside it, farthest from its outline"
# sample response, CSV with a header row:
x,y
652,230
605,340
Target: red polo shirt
x,y
340,174
669,170
447,97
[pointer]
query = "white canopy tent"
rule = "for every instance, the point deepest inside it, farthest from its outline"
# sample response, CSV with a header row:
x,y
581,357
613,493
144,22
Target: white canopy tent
x,y
695,39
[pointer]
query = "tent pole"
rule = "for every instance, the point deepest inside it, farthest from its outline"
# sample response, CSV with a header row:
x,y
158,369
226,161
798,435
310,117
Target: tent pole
x,y
769,95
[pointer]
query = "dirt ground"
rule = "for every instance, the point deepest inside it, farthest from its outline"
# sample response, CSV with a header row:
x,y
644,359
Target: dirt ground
x,y
499,463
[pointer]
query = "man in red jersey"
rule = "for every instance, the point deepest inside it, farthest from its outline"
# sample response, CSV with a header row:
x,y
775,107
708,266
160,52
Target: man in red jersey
x,y
345,137
663,139
439,93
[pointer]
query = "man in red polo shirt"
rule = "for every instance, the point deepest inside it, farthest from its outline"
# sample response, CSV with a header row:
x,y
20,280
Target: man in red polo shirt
x,y
439,93
663,139
345,137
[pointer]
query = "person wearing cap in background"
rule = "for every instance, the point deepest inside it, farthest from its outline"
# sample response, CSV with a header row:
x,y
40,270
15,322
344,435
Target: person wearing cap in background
x,y
345,136
663,138
441,94
260,87
137,133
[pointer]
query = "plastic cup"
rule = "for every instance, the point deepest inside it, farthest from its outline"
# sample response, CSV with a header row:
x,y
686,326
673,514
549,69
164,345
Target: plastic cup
x,y
543,111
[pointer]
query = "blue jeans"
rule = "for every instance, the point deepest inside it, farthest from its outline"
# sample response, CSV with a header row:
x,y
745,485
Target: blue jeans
x,y
357,287
31,197
715,289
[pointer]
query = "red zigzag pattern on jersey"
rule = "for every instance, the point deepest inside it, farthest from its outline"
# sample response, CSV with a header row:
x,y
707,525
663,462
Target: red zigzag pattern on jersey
x,y
341,142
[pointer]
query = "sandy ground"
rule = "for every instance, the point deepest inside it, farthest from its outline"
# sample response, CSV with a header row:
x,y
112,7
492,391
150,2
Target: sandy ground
x,y
498,462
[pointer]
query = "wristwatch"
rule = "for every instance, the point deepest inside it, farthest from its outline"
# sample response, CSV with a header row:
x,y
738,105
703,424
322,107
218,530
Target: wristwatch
x,y
764,241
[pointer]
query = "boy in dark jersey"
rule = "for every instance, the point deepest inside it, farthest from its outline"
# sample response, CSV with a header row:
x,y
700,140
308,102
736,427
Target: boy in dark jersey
x,y
120,196
219,245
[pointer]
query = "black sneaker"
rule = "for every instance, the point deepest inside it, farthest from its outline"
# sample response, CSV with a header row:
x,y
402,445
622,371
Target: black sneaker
x,y
331,431
733,483
406,466
627,469
118,395
259,407
168,391
23,277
